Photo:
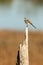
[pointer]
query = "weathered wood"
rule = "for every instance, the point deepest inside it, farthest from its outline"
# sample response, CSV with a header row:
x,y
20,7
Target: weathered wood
x,y
24,51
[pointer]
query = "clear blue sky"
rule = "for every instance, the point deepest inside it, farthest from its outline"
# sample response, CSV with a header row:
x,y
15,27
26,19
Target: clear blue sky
x,y
12,17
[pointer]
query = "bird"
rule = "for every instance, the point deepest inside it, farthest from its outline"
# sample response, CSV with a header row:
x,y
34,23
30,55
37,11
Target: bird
x,y
27,21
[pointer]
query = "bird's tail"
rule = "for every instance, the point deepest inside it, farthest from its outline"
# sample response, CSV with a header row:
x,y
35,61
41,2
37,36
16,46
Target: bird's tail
x,y
33,25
